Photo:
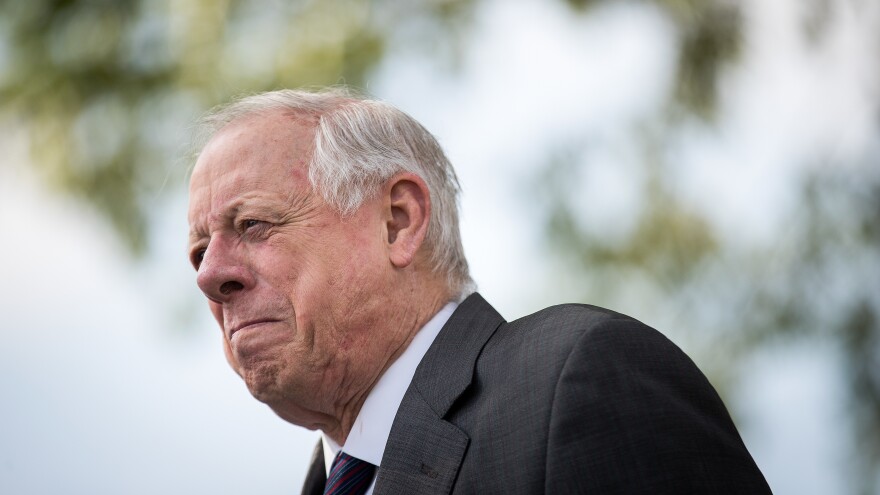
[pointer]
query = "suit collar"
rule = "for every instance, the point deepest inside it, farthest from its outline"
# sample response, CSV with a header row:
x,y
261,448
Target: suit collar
x,y
424,451
448,367
316,477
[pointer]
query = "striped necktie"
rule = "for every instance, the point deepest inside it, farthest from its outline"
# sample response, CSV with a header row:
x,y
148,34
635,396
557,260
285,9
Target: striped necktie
x,y
349,476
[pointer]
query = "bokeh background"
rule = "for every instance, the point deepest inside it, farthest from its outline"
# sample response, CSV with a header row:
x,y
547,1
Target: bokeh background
x,y
711,167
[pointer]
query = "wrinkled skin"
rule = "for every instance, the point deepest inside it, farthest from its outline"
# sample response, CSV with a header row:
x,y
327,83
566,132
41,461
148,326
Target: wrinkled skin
x,y
313,306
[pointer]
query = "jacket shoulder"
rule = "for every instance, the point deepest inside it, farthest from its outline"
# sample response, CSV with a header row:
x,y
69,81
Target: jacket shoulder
x,y
580,314
562,326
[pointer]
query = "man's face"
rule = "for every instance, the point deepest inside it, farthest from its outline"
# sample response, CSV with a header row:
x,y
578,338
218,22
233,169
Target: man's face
x,y
294,287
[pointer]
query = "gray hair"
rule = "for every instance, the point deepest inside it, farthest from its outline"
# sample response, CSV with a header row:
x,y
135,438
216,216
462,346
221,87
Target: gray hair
x,y
359,145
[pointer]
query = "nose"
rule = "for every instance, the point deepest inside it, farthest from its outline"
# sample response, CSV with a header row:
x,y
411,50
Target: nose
x,y
222,274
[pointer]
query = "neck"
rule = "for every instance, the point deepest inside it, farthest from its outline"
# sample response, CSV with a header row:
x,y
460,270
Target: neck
x,y
404,316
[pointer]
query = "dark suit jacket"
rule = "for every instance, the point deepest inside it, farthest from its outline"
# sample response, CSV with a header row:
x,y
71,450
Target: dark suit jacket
x,y
572,399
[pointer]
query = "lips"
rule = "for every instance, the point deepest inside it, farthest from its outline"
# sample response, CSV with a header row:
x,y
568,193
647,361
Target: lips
x,y
249,323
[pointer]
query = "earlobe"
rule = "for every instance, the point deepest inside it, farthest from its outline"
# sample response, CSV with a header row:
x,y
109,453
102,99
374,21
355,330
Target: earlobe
x,y
408,213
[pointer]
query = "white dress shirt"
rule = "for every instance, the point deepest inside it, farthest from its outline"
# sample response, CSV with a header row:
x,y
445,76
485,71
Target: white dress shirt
x,y
371,428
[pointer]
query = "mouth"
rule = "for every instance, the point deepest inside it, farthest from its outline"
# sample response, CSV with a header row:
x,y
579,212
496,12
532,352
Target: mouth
x,y
249,324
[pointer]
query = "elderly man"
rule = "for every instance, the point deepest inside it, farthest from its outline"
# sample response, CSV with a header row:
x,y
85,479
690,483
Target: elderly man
x,y
324,230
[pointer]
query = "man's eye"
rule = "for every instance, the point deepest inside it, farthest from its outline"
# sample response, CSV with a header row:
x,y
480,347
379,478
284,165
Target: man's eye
x,y
253,228
197,258
251,224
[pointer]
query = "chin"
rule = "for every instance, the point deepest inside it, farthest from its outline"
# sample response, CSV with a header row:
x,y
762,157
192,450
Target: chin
x,y
263,383
266,389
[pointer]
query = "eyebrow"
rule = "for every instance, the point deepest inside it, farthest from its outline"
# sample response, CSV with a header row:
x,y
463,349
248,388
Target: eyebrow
x,y
194,236
233,209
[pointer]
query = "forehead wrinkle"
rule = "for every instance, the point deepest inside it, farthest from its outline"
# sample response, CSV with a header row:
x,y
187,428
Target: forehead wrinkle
x,y
263,201
244,148
295,192
195,235
215,212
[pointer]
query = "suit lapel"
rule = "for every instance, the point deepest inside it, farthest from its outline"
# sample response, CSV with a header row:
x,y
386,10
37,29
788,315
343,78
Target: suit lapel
x,y
424,452
316,477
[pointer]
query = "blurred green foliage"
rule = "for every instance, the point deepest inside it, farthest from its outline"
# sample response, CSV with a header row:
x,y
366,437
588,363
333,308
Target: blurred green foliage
x,y
816,282
107,88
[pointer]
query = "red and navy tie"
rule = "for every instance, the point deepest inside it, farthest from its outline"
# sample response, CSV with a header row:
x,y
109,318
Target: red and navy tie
x,y
349,476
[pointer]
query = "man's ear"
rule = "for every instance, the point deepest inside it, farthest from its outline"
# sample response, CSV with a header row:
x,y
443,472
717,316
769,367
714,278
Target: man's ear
x,y
407,211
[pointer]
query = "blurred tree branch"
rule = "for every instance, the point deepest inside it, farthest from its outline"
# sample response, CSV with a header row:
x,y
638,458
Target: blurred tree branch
x,y
817,282
107,88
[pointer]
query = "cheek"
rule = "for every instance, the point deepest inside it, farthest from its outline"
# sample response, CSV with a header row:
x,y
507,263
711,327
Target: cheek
x,y
230,357
217,311
348,271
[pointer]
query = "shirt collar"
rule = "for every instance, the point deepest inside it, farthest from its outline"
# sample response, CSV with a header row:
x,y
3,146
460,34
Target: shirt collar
x,y
371,428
